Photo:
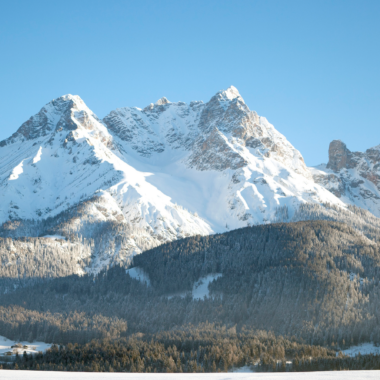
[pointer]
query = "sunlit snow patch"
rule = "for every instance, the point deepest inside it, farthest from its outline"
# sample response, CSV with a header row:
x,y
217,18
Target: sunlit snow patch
x,y
17,171
200,288
138,274
7,351
364,349
38,156
55,237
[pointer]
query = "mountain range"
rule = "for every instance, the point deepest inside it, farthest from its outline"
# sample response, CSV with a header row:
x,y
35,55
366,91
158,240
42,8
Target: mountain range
x,y
142,177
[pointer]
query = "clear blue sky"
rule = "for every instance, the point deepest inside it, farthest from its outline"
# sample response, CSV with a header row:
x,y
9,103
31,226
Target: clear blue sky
x,y
311,67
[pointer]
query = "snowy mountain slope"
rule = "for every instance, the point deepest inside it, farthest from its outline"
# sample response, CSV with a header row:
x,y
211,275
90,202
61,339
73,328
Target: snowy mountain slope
x,y
218,159
354,177
142,177
47,168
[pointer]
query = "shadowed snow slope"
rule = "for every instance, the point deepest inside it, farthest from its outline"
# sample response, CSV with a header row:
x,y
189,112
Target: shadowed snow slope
x,y
151,175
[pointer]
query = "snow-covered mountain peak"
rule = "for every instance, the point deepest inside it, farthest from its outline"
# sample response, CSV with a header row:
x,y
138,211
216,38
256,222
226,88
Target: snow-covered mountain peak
x,y
75,99
162,101
67,113
169,170
230,94
226,98
224,123
64,106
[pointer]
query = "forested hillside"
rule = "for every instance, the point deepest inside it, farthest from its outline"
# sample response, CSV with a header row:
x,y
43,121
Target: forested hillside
x,y
317,281
206,348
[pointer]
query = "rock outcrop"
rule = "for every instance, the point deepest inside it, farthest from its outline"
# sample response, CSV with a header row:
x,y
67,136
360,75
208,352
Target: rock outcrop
x,y
354,177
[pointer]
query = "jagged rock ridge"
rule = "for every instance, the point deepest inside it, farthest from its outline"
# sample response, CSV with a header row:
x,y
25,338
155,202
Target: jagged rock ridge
x,y
152,175
354,177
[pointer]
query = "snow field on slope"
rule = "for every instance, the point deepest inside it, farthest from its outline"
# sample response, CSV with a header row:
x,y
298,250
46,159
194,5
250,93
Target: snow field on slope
x,y
331,375
200,287
138,274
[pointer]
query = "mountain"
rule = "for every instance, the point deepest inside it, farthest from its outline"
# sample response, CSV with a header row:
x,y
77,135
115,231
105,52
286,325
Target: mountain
x,y
218,159
62,165
353,177
143,177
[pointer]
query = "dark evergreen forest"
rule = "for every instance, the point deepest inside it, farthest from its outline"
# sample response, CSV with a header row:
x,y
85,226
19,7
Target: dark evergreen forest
x,y
310,284
205,348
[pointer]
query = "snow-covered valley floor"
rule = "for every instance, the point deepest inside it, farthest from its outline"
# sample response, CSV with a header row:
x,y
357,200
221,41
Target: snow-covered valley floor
x,y
7,350
363,349
37,375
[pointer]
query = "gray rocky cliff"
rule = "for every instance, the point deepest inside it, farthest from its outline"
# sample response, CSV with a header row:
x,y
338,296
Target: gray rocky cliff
x,y
353,177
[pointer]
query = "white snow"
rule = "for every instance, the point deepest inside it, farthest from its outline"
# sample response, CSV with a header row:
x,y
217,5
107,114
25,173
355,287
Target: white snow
x,y
150,168
363,349
31,348
17,171
245,369
54,237
200,288
139,274
38,156
231,93
354,184
331,375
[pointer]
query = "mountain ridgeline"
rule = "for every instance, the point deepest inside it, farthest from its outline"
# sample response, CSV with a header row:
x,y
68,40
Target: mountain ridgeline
x,y
175,215
142,177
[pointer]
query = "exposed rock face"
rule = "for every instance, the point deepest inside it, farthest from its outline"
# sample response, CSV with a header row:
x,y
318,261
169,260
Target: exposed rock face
x,y
339,156
214,152
354,177
63,161
142,177
61,114
224,123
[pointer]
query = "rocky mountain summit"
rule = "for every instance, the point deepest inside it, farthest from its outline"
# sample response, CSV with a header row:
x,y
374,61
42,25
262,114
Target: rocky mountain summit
x,y
142,177
353,177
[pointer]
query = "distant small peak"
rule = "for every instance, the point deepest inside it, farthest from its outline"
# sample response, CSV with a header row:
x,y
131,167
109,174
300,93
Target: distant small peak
x,y
149,108
162,101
